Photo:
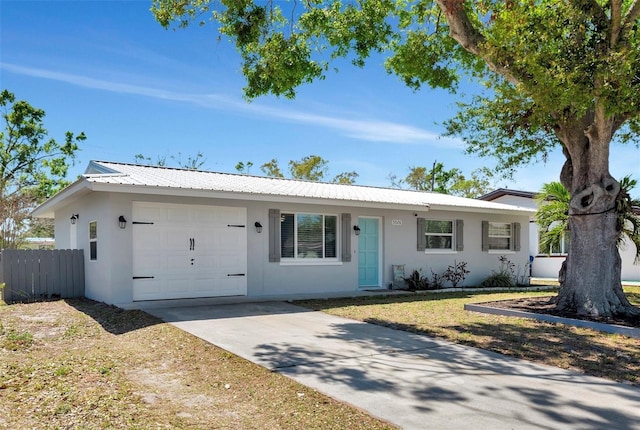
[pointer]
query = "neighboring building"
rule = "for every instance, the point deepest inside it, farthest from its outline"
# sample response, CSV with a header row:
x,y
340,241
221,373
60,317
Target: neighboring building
x,y
154,233
39,243
547,263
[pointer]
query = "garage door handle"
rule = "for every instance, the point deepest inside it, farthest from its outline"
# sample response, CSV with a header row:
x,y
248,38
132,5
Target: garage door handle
x,y
235,274
143,277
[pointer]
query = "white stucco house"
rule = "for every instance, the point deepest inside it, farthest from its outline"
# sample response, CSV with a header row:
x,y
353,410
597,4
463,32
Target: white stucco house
x,y
157,233
547,263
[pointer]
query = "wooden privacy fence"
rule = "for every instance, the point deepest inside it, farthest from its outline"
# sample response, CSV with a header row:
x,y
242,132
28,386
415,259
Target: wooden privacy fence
x,y
35,274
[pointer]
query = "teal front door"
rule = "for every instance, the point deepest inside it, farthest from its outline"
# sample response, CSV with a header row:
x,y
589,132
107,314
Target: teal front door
x,y
368,252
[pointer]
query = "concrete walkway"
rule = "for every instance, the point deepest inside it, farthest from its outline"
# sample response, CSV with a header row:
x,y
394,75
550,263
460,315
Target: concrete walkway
x,y
409,380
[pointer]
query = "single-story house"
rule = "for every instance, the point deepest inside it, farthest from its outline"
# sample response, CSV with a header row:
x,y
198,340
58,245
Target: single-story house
x,y
157,233
547,262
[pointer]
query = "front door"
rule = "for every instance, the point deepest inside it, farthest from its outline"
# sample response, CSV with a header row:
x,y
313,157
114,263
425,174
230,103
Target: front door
x,y
369,252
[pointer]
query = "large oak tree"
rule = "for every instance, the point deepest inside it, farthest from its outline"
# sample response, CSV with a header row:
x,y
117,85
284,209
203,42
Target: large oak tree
x,y
557,73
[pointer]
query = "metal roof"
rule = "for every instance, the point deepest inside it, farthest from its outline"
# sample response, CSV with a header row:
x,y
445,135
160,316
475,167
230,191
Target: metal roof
x,y
125,177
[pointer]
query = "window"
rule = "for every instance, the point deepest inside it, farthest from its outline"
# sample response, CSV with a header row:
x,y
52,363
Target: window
x,y
440,235
561,248
93,240
308,236
500,236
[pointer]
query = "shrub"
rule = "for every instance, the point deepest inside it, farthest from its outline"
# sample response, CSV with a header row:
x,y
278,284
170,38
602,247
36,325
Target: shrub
x,y
417,281
507,275
437,281
498,279
456,273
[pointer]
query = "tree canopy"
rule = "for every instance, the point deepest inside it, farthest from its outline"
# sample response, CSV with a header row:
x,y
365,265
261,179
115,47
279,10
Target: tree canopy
x,y
440,180
33,166
557,73
193,162
309,168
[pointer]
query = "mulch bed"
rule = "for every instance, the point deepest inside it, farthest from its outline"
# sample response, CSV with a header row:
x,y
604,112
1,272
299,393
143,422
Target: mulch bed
x,y
543,305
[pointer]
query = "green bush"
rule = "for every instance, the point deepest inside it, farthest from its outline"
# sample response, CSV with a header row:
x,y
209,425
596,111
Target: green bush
x,y
417,281
499,279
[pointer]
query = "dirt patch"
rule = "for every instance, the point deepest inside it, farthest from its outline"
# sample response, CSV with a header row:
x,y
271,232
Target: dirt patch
x,y
545,305
83,364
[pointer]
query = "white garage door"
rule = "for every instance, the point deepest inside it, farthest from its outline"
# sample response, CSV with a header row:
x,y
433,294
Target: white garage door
x,y
188,251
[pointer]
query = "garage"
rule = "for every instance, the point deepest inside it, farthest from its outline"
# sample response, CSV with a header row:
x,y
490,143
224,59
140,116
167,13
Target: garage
x,y
188,251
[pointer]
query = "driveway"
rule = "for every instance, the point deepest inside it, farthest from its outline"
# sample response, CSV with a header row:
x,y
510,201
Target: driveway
x,y
413,381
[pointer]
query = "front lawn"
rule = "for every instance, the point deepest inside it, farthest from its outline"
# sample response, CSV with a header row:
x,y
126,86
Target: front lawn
x,y
81,364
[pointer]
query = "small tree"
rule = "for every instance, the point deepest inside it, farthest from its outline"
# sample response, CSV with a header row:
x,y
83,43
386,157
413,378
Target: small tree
x,y
32,167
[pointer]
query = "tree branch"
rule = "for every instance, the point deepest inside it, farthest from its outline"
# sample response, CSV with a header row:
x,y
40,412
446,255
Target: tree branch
x,y
616,22
462,31
632,14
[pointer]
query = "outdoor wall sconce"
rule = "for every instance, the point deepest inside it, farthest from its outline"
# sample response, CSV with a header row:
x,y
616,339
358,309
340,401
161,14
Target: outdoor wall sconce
x,y
122,221
258,226
356,229
74,218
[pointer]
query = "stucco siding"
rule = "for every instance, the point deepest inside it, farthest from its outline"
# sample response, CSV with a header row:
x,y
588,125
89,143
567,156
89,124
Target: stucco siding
x,y
109,278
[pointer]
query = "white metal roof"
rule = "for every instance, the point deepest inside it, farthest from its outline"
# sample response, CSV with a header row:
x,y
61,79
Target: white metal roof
x,y
124,177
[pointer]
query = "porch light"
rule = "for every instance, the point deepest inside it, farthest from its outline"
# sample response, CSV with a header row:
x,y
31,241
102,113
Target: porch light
x,y
74,218
356,229
122,221
258,226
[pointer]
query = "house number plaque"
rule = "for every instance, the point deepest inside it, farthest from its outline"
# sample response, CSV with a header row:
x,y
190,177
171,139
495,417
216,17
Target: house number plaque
x,y
396,222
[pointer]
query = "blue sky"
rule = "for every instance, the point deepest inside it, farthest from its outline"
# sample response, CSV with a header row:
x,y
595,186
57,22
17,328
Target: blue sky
x,y
108,69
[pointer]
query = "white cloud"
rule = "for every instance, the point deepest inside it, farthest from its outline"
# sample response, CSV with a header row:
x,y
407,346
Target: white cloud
x,y
371,130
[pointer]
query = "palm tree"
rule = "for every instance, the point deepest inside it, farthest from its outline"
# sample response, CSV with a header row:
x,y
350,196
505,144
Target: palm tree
x,y
553,215
628,210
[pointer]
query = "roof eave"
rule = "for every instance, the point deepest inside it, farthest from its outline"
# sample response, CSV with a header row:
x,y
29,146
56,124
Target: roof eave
x,y
515,210
230,195
68,194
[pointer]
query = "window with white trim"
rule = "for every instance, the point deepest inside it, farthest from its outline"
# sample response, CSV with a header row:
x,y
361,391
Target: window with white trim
x,y
439,234
561,248
499,236
308,236
93,240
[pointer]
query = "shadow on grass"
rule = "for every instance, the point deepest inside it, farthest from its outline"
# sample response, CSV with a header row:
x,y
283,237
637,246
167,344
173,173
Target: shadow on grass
x,y
560,345
114,319
429,376
421,296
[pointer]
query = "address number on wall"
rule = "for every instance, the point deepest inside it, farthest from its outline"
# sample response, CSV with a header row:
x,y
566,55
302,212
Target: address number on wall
x,y
396,222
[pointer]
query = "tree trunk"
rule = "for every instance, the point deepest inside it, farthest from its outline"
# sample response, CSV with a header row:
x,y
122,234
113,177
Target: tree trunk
x,y
590,281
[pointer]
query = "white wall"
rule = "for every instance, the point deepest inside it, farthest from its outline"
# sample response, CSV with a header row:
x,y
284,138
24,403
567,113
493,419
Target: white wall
x,y
109,279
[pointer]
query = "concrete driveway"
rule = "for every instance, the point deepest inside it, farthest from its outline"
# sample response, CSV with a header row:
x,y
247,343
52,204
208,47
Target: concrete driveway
x,y
409,380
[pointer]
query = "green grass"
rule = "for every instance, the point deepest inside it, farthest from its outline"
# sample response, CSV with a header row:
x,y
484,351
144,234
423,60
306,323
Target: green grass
x,y
442,315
